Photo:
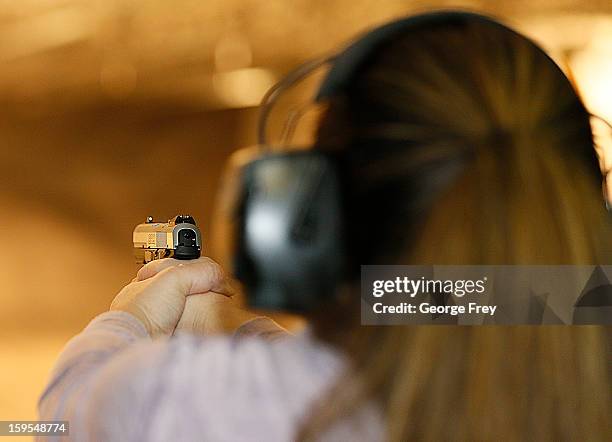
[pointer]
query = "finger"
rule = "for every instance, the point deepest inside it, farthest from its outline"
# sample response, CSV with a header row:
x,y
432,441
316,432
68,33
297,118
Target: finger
x,y
607,189
154,267
225,288
197,276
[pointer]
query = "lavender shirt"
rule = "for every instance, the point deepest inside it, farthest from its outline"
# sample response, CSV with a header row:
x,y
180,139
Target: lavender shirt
x,y
114,383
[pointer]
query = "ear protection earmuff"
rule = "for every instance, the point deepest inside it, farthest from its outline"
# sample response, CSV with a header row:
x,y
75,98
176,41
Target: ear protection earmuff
x,y
290,250
289,239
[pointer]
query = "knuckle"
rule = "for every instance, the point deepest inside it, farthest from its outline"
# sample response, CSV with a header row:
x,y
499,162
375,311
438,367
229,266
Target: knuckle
x,y
149,269
173,277
145,268
216,271
169,273
171,270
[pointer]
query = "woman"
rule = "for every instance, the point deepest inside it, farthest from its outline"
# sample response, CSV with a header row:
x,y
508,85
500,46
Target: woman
x,y
439,95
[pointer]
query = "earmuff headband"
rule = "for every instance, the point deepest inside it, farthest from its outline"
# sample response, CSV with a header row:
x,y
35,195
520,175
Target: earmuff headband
x,y
355,54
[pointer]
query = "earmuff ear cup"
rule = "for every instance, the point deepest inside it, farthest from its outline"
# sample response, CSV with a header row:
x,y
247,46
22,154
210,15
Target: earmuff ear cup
x,y
290,231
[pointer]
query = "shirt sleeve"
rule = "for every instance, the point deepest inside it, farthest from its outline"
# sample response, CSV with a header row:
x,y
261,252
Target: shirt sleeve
x,y
82,358
114,369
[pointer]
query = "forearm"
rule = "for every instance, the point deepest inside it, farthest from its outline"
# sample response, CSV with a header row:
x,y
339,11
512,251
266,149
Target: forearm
x,y
82,357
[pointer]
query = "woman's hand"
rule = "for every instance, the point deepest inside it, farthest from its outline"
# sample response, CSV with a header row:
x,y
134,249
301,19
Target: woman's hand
x,y
212,313
157,295
602,134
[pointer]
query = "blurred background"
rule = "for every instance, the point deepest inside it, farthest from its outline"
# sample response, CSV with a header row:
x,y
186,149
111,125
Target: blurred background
x,y
112,110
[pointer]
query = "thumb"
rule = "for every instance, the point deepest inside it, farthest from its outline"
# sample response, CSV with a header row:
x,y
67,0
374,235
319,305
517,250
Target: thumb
x,y
198,276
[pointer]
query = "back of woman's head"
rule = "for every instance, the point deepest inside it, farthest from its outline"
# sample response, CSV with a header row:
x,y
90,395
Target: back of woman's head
x,y
468,138
463,143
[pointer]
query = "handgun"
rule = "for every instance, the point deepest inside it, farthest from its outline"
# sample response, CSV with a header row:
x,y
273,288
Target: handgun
x,y
178,238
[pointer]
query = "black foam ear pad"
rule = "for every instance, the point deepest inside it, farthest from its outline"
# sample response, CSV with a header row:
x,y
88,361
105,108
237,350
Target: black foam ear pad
x,y
290,232
350,59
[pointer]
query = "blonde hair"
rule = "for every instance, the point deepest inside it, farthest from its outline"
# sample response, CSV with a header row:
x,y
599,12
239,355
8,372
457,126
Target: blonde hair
x,y
526,192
